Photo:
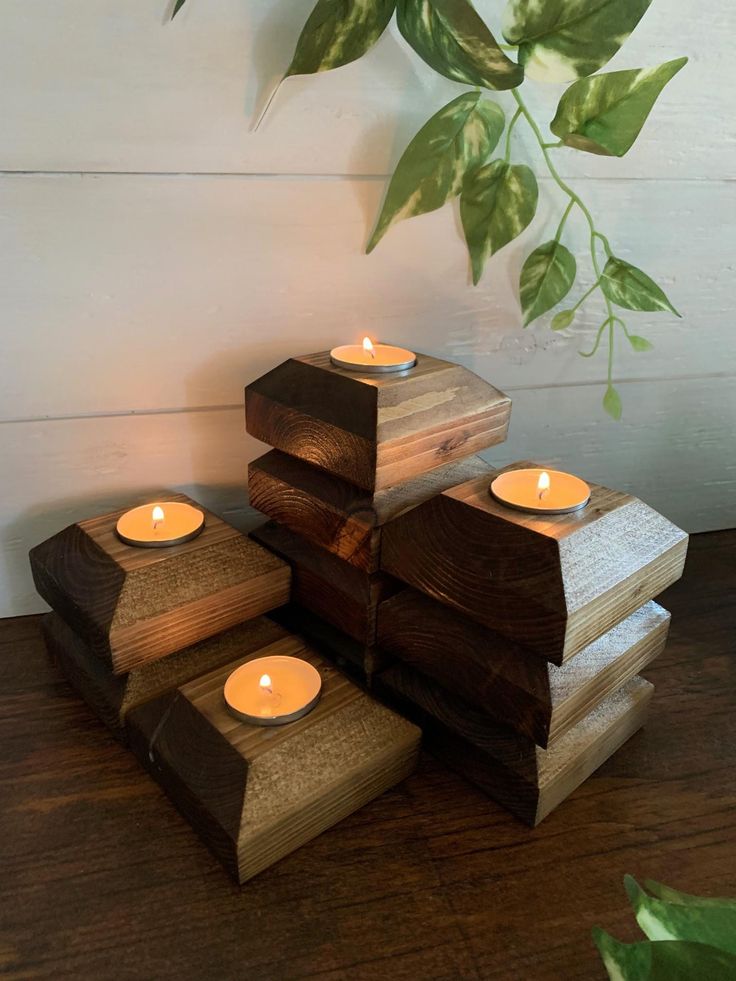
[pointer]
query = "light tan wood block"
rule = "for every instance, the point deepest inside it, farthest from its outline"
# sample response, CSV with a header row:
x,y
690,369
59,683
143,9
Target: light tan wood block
x,y
524,778
112,696
554,583
254,793
336,515
509,682
133,605
375,431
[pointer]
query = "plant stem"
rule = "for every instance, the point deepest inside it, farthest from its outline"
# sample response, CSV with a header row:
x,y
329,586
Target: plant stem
x,y
563,220
585,295
589,354
514,119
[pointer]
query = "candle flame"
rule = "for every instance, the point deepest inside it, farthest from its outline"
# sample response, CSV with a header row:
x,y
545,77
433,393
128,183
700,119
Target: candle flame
x,y
157,514
265,682
543,484
368,347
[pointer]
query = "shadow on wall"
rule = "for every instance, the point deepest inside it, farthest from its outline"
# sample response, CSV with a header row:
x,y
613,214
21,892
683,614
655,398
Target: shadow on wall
x,y
273,48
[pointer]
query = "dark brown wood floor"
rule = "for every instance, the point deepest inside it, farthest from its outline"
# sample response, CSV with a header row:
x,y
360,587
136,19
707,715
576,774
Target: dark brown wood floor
x,y
100,878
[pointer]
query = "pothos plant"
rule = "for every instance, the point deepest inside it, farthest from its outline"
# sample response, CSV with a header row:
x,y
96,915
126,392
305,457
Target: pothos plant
x,y
459,152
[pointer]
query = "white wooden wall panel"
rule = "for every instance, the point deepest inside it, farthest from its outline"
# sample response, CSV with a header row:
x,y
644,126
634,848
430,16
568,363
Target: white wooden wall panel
x,y
156,255
93,85
59,471
146,293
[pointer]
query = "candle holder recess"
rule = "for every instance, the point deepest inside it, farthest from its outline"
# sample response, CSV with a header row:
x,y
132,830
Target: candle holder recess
x,y
255,794
134,605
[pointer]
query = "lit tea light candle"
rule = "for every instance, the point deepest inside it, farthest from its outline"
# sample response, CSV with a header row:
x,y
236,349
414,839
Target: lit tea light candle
x,y
540,491
273,690
370,358
160,525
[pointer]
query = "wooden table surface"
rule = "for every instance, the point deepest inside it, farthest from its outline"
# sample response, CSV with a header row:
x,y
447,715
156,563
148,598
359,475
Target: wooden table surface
x,y
100,877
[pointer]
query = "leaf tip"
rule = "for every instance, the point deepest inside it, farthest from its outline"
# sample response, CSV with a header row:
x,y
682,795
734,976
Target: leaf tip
x,y
633,890
612,403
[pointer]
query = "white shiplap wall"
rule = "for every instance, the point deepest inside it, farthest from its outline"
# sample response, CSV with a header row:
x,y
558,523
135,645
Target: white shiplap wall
x,y
157,255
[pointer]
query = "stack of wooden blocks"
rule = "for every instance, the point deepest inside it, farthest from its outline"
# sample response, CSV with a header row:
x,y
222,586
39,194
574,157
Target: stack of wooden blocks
x,y
149,636
514,639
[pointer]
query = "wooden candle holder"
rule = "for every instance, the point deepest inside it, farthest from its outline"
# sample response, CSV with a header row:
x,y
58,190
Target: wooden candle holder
x,y
255,793
375,430
507,681
134,605
554,583
526,780
336,515
341,594
112,696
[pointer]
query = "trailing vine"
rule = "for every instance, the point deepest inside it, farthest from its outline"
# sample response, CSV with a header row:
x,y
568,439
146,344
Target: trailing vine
x,y
451,157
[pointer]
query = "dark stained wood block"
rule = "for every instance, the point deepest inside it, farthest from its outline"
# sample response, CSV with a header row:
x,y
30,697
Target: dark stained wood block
x,y
254,793
554,583
360,661
375,430
525,779
112,696
510,682
335,514
133,605
342,595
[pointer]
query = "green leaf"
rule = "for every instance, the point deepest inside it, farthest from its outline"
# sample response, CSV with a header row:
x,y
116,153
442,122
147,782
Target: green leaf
x,y
612,403
546,278
660,920
670,895
639,343
668,960
455,141
605,114
454,40
561,40
338,32
632,289
497,203
562,320
177,7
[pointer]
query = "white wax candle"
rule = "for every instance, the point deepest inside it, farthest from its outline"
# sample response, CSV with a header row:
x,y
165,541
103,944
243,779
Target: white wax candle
x,y
272,690
540,491
161,524
369,358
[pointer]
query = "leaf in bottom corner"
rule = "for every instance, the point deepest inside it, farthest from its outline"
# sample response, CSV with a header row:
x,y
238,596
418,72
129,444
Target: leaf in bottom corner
x,y
632,289
665,960
669,895
546,278
497,203
612,403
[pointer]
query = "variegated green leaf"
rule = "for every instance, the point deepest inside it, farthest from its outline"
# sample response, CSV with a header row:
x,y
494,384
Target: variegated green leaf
x,y
338,32
454,40
612,403
670,895
561,40
497,203
605,114
455,141
177,7
546,278
659,920
632,289
668,960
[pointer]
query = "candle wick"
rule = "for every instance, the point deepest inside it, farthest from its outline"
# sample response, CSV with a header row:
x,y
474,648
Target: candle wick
x,y
373,353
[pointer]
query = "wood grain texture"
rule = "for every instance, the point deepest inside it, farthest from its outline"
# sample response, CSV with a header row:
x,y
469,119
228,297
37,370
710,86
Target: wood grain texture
x,y
336,515
455,886
525,779
341,594
554,583
375,431
255,794
507,681
360,661
134,605
111,696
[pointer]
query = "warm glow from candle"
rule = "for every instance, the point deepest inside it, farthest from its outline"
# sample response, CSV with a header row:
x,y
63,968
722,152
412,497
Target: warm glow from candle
x,y
265,682
368,347
157,514
543,484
